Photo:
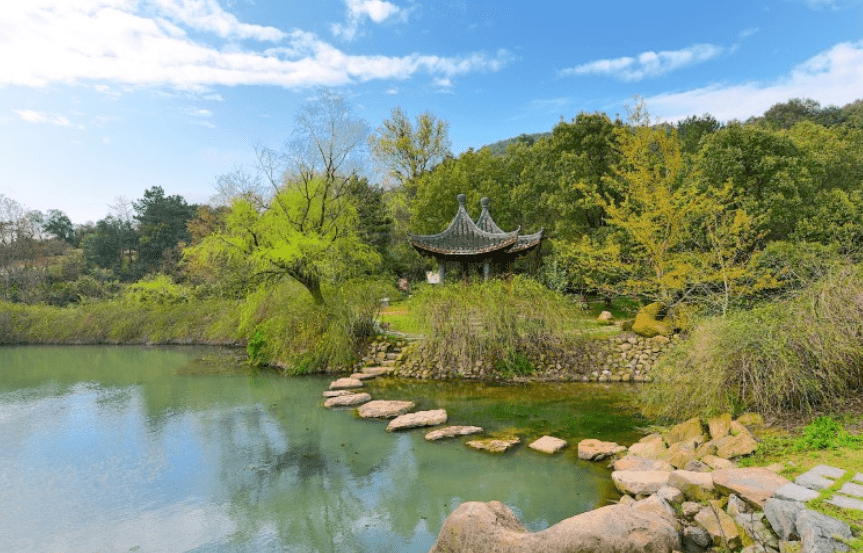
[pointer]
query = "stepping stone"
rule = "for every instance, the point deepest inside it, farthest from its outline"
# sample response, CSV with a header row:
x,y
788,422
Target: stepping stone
x,y
337,393
754,484
363,376
793,492
452,432
494,445
377,371
813,481
858,477
420,418
548,444
596,450
846,502
631,462
827,471
849,488
642,482
348,400
385,409
345,383
817,532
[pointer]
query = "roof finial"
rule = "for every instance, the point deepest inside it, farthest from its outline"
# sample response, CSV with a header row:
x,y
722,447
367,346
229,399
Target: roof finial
x,y
484,203
461,200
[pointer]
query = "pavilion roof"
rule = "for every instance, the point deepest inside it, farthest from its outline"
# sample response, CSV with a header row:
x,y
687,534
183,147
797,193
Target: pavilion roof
x,y
486,223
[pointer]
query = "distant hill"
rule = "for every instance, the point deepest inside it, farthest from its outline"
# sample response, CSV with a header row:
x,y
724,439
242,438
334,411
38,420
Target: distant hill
x,y
499,148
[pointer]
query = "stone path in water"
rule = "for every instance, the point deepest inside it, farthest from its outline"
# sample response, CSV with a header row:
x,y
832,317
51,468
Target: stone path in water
x,y
345,392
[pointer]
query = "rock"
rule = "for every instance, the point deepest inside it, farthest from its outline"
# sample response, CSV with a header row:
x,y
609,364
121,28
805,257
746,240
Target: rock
x,y
414,420
754,529
648,324
658,506
337,393
686,431
817,531
681,453
696,466
813,481
717,463
363,376
671,495
707,448
549,444
689,509
385,409
345,384
827,471
736,506
789,546
719,426
751,419
858,477
452,432
754,484
493,527
794,492
737,446
494,445
596,450
639,483
782,516
776,467
695,539
377,371
605,318
347,400
721,527
846,502
631,462
649,447
696,486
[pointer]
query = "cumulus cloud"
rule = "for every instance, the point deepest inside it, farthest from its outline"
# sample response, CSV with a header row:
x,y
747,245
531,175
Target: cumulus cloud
x,y
833,77
359,10
647,64
123,43
41,117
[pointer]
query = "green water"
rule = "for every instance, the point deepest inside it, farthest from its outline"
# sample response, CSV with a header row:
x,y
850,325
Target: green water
x,y
116,449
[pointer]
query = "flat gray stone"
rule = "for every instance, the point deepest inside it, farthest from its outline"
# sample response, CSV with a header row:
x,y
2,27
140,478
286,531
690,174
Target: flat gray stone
x,y
846,502
548,444
631,462
385,409
817,531
347,401
494,445
794,492
849,488
420,418
337,393
827,471
858,477
452,432
641,482
377,371
782,515
813,481
753,484
345,383
363,376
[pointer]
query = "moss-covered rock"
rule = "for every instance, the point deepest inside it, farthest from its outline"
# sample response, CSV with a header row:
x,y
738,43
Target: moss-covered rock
x,y
648,321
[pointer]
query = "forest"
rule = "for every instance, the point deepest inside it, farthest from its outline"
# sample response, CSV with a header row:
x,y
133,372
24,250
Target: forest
x,y
716,220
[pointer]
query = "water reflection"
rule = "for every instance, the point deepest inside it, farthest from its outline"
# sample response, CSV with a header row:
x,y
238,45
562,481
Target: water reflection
x,y
120,449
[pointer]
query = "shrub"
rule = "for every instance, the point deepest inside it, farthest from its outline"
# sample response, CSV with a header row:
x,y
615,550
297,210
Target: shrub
x,y
792,355
824,433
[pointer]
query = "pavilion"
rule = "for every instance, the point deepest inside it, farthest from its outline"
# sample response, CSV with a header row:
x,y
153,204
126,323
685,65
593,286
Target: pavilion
x,y
469,243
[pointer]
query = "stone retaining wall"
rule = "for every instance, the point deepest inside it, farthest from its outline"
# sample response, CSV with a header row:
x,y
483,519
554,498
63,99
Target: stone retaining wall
x,y
624,357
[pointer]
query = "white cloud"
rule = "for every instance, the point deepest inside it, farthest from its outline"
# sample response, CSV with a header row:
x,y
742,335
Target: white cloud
x,y
40,117
359,10
833,77
647,64
117,44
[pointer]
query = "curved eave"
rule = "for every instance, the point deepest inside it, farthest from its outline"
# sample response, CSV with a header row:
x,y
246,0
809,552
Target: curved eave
x,y
422,246
527,241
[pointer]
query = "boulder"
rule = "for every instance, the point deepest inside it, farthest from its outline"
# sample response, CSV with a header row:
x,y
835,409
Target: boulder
x,y
639,483
650,447
689,509
631,462
782,516
414,420
707,448
657,505
345,384
696,486
751,419
347,400
794,492
695,539
721,527
605,318
754,484
648,323
696,466
681,453
494,445
737,429
548,444
493,527
818,532
813,481
737,446
717,463
385,409
377,371
754,530
736,506
596,450
452,432
671,495
719,426
686,431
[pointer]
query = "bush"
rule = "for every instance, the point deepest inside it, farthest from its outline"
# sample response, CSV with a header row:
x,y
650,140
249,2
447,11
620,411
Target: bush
x,y
792,355
824,433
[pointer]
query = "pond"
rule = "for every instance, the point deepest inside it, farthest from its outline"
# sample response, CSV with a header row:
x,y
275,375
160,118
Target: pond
x,y
177,449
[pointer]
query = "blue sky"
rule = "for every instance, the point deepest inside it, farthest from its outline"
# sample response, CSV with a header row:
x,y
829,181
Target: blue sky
x,y
101,99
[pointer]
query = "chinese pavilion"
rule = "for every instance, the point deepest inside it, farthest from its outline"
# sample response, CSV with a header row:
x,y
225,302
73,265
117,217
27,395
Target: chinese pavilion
x,y
469,242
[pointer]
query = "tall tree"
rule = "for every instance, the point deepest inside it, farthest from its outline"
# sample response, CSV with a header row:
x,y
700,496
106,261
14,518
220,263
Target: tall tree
x,y
60,226
161,224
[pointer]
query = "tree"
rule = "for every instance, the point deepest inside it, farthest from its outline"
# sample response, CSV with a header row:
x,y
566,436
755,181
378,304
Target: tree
x,y
161,225
108,243
60,226
691,130
408,150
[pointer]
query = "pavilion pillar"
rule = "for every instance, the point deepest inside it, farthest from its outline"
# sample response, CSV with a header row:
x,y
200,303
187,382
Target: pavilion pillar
x,y
440,271
486,270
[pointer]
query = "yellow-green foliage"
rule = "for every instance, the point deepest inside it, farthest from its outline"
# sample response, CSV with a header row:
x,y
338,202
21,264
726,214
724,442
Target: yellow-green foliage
x,y
792,355
647,321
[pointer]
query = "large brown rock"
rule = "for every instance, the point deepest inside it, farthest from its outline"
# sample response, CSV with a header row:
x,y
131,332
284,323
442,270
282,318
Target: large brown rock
x,y
686,431
493,528
345,384
385,409
414,420
639,483
696,486
631,462
650,447
548,444
736,446
597,450
719,426
494,445
754,484
720,526
347,400
452,432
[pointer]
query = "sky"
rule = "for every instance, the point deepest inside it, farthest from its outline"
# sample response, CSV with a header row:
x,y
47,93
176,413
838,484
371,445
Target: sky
x,y
101,100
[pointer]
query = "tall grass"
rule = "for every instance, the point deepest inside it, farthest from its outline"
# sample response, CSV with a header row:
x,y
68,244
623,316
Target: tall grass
x,y
794,355
499,321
